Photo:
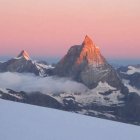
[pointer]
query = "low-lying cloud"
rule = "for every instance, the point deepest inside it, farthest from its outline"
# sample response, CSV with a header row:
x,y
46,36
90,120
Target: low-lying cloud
x,y
47,85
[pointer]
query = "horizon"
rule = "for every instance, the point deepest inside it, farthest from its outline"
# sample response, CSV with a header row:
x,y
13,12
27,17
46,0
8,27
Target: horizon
x,y
51,60
49,29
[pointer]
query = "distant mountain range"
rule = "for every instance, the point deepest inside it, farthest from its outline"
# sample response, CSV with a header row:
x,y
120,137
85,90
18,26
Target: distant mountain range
x,y
107,96
131,76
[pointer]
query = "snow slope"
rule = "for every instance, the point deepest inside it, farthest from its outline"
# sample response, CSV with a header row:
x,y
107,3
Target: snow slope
x,y
131,88
26,122
132,70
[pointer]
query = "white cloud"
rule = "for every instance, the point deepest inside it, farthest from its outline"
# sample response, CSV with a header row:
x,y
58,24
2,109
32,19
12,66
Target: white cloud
x,y
47,85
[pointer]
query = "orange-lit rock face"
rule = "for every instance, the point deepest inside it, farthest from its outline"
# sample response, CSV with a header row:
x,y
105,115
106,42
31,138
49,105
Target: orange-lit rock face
x,y
85,64
90,53
25,54
88,41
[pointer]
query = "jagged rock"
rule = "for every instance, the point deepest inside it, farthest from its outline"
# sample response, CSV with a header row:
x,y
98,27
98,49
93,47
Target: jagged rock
x,y
130,73
23,64
84,63
35,98
127,112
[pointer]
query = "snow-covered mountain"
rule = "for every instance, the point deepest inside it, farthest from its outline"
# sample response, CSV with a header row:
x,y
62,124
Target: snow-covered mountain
x,y
131,76
96,103
23,64
85,64
105,94
27,122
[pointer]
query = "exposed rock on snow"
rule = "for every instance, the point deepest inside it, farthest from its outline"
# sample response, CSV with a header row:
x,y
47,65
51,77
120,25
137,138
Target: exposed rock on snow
x,y
23,64
85,64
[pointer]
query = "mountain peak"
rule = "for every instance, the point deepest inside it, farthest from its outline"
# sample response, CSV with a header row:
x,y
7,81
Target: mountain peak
x,y
85,64
90,53
24,54
88,41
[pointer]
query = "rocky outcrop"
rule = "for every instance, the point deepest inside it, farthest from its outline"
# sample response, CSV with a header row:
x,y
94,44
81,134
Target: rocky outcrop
x,y
23,64
84,63
127,111
34,98
130,73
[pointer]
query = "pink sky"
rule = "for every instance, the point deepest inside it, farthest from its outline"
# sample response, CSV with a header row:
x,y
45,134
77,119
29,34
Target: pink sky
x,y
49,28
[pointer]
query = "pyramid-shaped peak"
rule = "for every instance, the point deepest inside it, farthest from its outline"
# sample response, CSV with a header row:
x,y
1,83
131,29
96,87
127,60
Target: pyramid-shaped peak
x,y
84,63
87,37
24,54
88,41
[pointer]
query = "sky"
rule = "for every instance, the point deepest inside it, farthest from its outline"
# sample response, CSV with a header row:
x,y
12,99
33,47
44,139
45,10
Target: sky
x,y
48,28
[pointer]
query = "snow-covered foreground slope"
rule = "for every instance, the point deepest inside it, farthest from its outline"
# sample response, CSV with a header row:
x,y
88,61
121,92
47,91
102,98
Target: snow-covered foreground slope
x,y
26,122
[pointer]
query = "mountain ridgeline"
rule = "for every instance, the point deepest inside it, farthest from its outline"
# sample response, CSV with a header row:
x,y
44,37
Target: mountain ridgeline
x,y
106,96
23,64
85,64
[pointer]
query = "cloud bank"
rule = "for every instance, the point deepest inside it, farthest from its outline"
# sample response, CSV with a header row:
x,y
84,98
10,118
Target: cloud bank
x,y
47,85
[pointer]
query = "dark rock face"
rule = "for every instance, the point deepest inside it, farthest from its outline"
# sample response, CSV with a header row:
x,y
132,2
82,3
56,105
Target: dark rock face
x,y
128,112
24,64
85,64
122,72
134,78
34,98
18,65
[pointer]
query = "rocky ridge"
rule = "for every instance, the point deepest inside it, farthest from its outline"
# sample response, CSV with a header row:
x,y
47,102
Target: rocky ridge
x,y
84,63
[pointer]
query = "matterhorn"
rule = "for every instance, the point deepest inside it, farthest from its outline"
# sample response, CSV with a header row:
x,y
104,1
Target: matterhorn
x,y
84,63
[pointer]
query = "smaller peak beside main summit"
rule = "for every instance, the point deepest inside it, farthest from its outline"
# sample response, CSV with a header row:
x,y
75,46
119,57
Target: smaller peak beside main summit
x,y
24,54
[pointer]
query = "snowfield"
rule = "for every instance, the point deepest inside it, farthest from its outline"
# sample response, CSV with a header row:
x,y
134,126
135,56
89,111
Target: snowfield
x,y
132,70
27,122
131,88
